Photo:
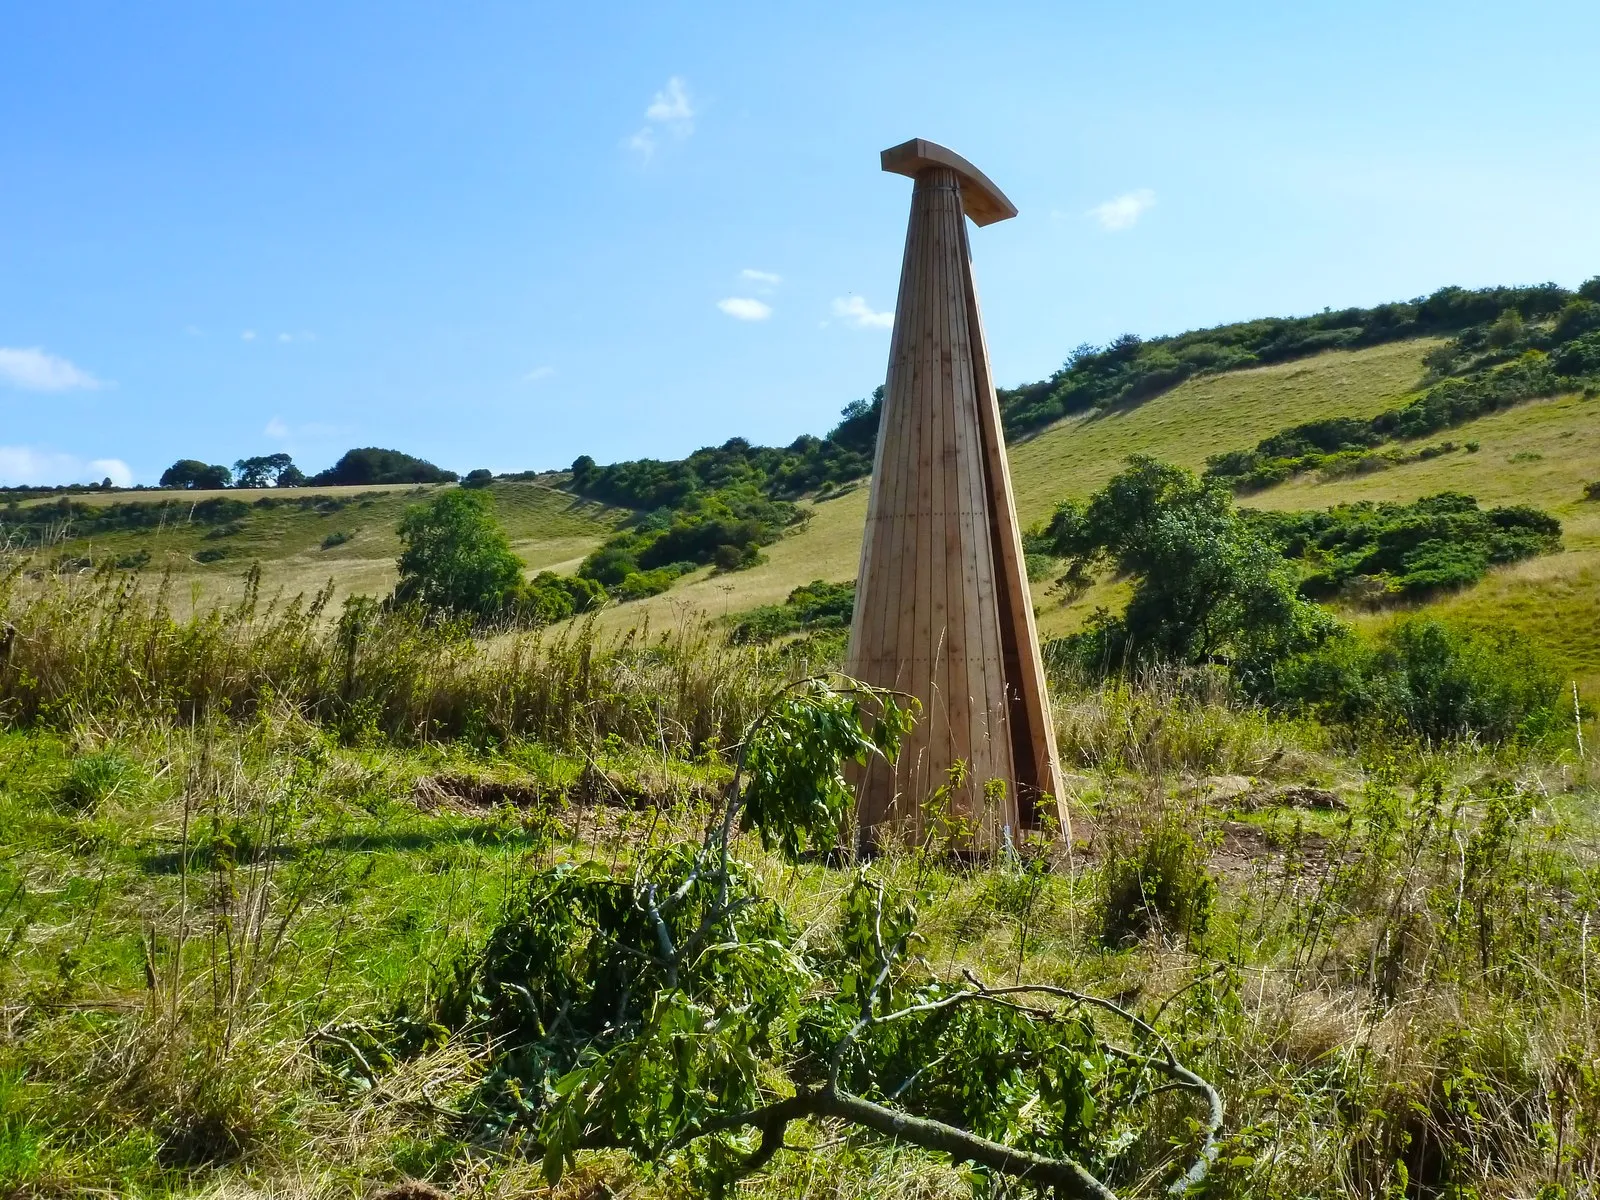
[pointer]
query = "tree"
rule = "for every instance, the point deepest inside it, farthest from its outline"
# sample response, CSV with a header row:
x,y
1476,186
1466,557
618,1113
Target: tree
x,y
456,556
372,465
1205,585
291,476
193,475
262,471
480,478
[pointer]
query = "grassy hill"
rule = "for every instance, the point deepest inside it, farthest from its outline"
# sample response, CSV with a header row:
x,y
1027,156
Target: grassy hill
x,y
306,537
1540,453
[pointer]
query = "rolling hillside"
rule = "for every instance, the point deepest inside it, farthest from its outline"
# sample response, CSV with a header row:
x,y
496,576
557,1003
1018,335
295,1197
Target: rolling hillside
x,y
1539,453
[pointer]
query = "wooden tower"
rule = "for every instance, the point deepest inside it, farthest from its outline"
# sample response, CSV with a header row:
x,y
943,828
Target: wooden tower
x,y
942,606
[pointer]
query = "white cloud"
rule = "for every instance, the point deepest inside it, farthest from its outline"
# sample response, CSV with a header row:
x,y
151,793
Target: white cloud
x,y
766,277
248,335
745,308
276,429
860,314
671,104
26,465
670,110
1124,211
35,371
538,373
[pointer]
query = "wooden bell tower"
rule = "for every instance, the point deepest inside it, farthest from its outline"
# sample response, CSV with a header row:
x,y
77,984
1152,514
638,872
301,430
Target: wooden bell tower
x,y
942,607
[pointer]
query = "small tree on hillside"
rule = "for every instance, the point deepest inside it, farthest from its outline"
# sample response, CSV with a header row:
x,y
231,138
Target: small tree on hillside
x,y
456,556
1205,585
194,475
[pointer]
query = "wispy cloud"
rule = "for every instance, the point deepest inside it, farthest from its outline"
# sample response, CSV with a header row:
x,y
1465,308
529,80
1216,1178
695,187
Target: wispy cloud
x,y
248,335
763,277
282,432
745,308
859,313
305,335
28,465
671,104
538,373
1123,212
35,371
671,112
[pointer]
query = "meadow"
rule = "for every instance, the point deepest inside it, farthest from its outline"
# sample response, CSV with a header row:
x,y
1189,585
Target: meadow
x,y
249,853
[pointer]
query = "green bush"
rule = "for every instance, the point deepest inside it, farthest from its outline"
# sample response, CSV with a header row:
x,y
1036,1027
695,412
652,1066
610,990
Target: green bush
x,y
549,597
1431,679
1435,543
337,538
814,606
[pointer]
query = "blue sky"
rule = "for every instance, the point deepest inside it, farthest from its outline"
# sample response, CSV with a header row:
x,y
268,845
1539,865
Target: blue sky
x,y
505,234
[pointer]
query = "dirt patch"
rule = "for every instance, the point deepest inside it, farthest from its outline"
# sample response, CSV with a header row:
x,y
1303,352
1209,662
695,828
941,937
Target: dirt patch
x,y
594,788
467,794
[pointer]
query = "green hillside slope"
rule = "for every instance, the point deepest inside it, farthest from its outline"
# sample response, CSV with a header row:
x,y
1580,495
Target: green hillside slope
x,y
1072,458
303,538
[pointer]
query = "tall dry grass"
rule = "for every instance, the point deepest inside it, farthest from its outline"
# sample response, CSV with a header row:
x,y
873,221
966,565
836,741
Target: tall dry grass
x,y
108,647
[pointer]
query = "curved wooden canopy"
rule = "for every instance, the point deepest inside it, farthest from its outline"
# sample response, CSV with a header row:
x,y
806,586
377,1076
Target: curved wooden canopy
x,y
980,199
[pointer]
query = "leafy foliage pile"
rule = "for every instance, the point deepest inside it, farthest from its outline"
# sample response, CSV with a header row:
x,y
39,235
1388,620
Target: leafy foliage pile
x,y
1544,341
1384,550
675,1012
813,607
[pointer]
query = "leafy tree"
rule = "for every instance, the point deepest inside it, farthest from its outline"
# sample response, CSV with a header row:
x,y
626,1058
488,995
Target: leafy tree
x,y
371,465
291,476
193,475
480,478
264,470
1206,586
456,556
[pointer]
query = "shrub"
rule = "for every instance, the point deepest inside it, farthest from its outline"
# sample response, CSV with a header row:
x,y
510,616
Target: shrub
x,y
811,607
550,597
480,478
211,554
1206,585
337,538
1591,491
1439,542
1433,679
1154,879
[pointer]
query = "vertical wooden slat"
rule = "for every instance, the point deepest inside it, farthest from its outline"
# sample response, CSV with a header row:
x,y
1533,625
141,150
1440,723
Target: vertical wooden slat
x,y
929,615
